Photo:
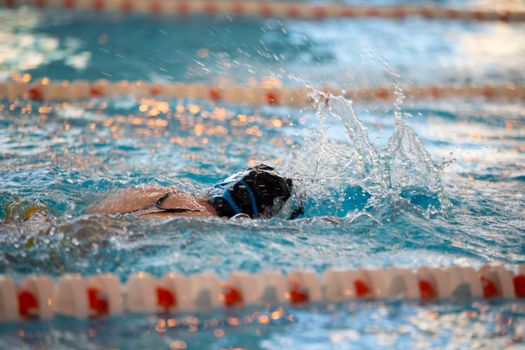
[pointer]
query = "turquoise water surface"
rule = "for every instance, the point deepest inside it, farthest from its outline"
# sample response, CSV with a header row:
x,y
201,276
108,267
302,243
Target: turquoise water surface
x,y
424,183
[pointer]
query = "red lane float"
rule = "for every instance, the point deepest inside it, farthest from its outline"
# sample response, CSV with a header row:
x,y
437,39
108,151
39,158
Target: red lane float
x,y
27,304
37,297
428,284
519,286
281,9
232,297
104,295
241,289
519,283
303,287
45,90
98,302
364,285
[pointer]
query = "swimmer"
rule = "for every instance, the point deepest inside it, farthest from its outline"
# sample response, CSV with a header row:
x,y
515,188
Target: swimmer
x,y
258,192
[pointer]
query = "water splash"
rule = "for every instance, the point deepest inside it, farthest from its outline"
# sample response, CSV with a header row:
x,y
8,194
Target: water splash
x,y
354,176
409,164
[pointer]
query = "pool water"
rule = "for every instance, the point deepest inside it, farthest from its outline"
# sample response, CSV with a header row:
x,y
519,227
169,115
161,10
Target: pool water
x,y
424,183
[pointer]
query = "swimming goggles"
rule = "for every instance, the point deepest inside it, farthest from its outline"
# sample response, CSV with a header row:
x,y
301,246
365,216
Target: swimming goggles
x,y
226,195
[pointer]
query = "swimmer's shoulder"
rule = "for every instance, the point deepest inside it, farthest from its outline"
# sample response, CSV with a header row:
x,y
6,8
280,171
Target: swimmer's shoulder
x,y
129,200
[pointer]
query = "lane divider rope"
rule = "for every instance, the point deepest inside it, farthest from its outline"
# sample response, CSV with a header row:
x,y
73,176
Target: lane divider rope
x,y
38,297
282,9
46,90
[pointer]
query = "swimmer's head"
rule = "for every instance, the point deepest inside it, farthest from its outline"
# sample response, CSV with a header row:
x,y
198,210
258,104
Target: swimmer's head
x,y
259,191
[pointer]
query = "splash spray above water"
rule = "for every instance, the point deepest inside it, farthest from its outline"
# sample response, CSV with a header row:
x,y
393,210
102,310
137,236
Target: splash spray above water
x,y
344,178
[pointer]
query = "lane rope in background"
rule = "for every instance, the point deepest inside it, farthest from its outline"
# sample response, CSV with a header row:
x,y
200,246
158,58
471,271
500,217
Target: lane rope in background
x,y
46,90
284,9
39,297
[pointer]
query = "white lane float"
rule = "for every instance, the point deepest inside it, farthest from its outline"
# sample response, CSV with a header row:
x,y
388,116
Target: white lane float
x,y
338,285
8,300
400,283
272,288
459,287
205,292
472,277
71,297
38,297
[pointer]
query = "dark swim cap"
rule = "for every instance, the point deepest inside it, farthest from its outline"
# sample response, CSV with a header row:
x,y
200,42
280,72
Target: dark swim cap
x,y
258,191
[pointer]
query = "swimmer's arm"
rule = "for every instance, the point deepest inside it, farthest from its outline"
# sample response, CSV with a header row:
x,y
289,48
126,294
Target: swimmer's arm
x,y
128,200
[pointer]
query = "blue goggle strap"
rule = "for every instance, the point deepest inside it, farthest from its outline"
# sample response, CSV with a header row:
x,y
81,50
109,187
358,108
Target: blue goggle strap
x,y
252,198
228,197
